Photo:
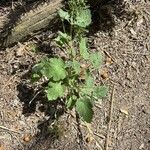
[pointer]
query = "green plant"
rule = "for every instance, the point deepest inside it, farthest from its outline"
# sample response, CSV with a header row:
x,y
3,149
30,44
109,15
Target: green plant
x,y
72,79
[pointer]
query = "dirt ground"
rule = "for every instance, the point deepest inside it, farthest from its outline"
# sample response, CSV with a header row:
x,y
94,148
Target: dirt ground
x,y
121,120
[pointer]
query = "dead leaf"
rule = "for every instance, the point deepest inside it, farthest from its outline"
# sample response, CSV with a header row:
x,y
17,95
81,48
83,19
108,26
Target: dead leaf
x,y
2,147
124,111
27,138
109,61
20,49
104,74
89,139
32,47
139,22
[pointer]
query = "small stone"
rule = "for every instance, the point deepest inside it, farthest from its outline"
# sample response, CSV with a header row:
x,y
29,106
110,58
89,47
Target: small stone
x,y
132,32
134,64
141,146
139,22
124,110
109,61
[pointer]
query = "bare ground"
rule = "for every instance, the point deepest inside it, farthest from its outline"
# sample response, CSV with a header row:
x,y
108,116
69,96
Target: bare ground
x,y
40,126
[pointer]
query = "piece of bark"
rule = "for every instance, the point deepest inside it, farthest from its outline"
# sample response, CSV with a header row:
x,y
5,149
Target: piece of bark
x,y
34,20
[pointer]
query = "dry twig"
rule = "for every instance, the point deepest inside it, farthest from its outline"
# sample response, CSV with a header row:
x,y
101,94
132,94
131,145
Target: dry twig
x,y
110,119
5,128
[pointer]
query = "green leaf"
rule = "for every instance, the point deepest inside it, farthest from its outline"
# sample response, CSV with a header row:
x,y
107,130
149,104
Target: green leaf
x,y
62,39
83,48
46,69
64,14
71,102
76,66
51,68
100,91
37,71
89,81
84,108
37,68
43,68
88,87
83,18
96,59
57,69
54,91
73,52
35,77
68,64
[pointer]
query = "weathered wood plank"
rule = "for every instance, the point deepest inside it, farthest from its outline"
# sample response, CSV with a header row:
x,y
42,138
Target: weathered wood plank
x,y
32,21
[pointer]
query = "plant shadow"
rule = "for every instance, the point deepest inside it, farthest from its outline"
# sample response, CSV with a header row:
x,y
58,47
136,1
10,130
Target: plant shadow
x,y
34,100
105,13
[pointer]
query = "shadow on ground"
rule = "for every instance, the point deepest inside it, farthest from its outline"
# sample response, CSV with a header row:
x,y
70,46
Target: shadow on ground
x,y
105,13
34,99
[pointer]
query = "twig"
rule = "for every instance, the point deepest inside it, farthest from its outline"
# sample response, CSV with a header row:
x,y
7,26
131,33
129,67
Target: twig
x,y
98,106
98,144
5,128
107,54
18,141
101,136
35,96
110,119
136,53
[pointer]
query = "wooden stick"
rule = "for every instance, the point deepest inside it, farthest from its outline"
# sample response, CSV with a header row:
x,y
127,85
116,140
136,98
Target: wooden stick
x,y
5,128
110,118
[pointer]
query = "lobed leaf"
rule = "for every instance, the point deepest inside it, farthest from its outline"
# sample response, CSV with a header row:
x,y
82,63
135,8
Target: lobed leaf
x,y
54,91
50,68
96,59
36,72
57,69
83,18
100,91
89,86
